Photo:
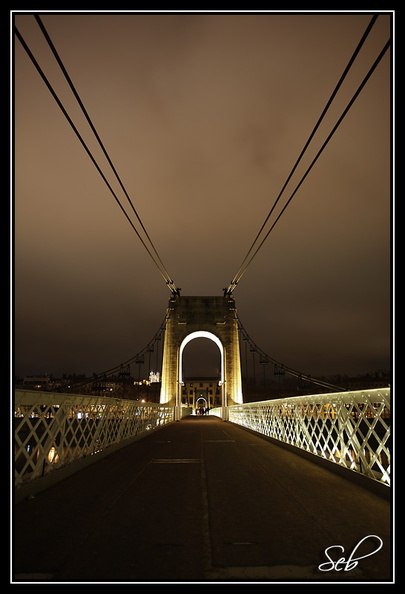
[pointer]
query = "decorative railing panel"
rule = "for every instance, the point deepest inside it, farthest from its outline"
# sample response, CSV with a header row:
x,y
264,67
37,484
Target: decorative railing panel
x,y
348,428
53,430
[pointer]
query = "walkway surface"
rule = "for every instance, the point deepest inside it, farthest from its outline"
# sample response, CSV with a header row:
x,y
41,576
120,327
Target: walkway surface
x,y
197,501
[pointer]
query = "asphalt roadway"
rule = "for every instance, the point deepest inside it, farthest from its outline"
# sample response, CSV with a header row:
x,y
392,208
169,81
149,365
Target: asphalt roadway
x,y
200,501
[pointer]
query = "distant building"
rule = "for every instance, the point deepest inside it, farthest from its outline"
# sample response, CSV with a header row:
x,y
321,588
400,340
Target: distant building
x,y
205,392
378,379
154,377
38,382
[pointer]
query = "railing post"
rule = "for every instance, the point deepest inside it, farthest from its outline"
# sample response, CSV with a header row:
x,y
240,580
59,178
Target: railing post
x,y
225,412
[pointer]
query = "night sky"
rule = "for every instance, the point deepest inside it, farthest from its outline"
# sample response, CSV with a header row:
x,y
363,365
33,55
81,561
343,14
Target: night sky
x,y
203,116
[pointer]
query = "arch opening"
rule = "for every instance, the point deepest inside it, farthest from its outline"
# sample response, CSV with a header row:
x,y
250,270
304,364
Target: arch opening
x,y
209,399
201,334
201,359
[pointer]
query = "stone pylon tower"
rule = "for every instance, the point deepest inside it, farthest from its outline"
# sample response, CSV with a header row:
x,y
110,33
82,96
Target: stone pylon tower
x,y
195,317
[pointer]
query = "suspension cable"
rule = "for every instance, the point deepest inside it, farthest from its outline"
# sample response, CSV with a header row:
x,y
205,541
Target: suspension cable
x,y
114,370
267,359
158,263
315,159
74,91
244,265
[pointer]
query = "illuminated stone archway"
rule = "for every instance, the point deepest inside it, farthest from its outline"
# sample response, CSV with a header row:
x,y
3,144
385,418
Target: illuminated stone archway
x,y
194,336
201,317
189,338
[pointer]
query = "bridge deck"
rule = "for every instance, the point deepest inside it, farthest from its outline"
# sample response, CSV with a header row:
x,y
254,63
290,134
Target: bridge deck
x,y
199,500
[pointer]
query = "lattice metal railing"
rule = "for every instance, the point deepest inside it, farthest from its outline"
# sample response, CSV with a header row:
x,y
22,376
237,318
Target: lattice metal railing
x,y
53,430
348,428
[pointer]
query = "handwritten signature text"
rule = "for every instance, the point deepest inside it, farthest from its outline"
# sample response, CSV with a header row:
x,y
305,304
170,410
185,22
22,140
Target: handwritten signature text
x,y
343,564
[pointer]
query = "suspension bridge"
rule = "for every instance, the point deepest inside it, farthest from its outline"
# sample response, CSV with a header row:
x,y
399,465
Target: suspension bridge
x,y
119,490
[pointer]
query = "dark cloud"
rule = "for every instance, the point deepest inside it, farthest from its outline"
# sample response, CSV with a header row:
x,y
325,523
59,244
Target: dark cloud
x,y
204,117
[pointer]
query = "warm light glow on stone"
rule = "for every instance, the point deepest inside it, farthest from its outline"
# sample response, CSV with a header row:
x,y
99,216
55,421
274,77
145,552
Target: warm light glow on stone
x,y
193,317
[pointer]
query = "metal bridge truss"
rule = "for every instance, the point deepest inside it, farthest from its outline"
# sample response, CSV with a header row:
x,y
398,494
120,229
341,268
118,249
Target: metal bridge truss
x,y
348,428
54,430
